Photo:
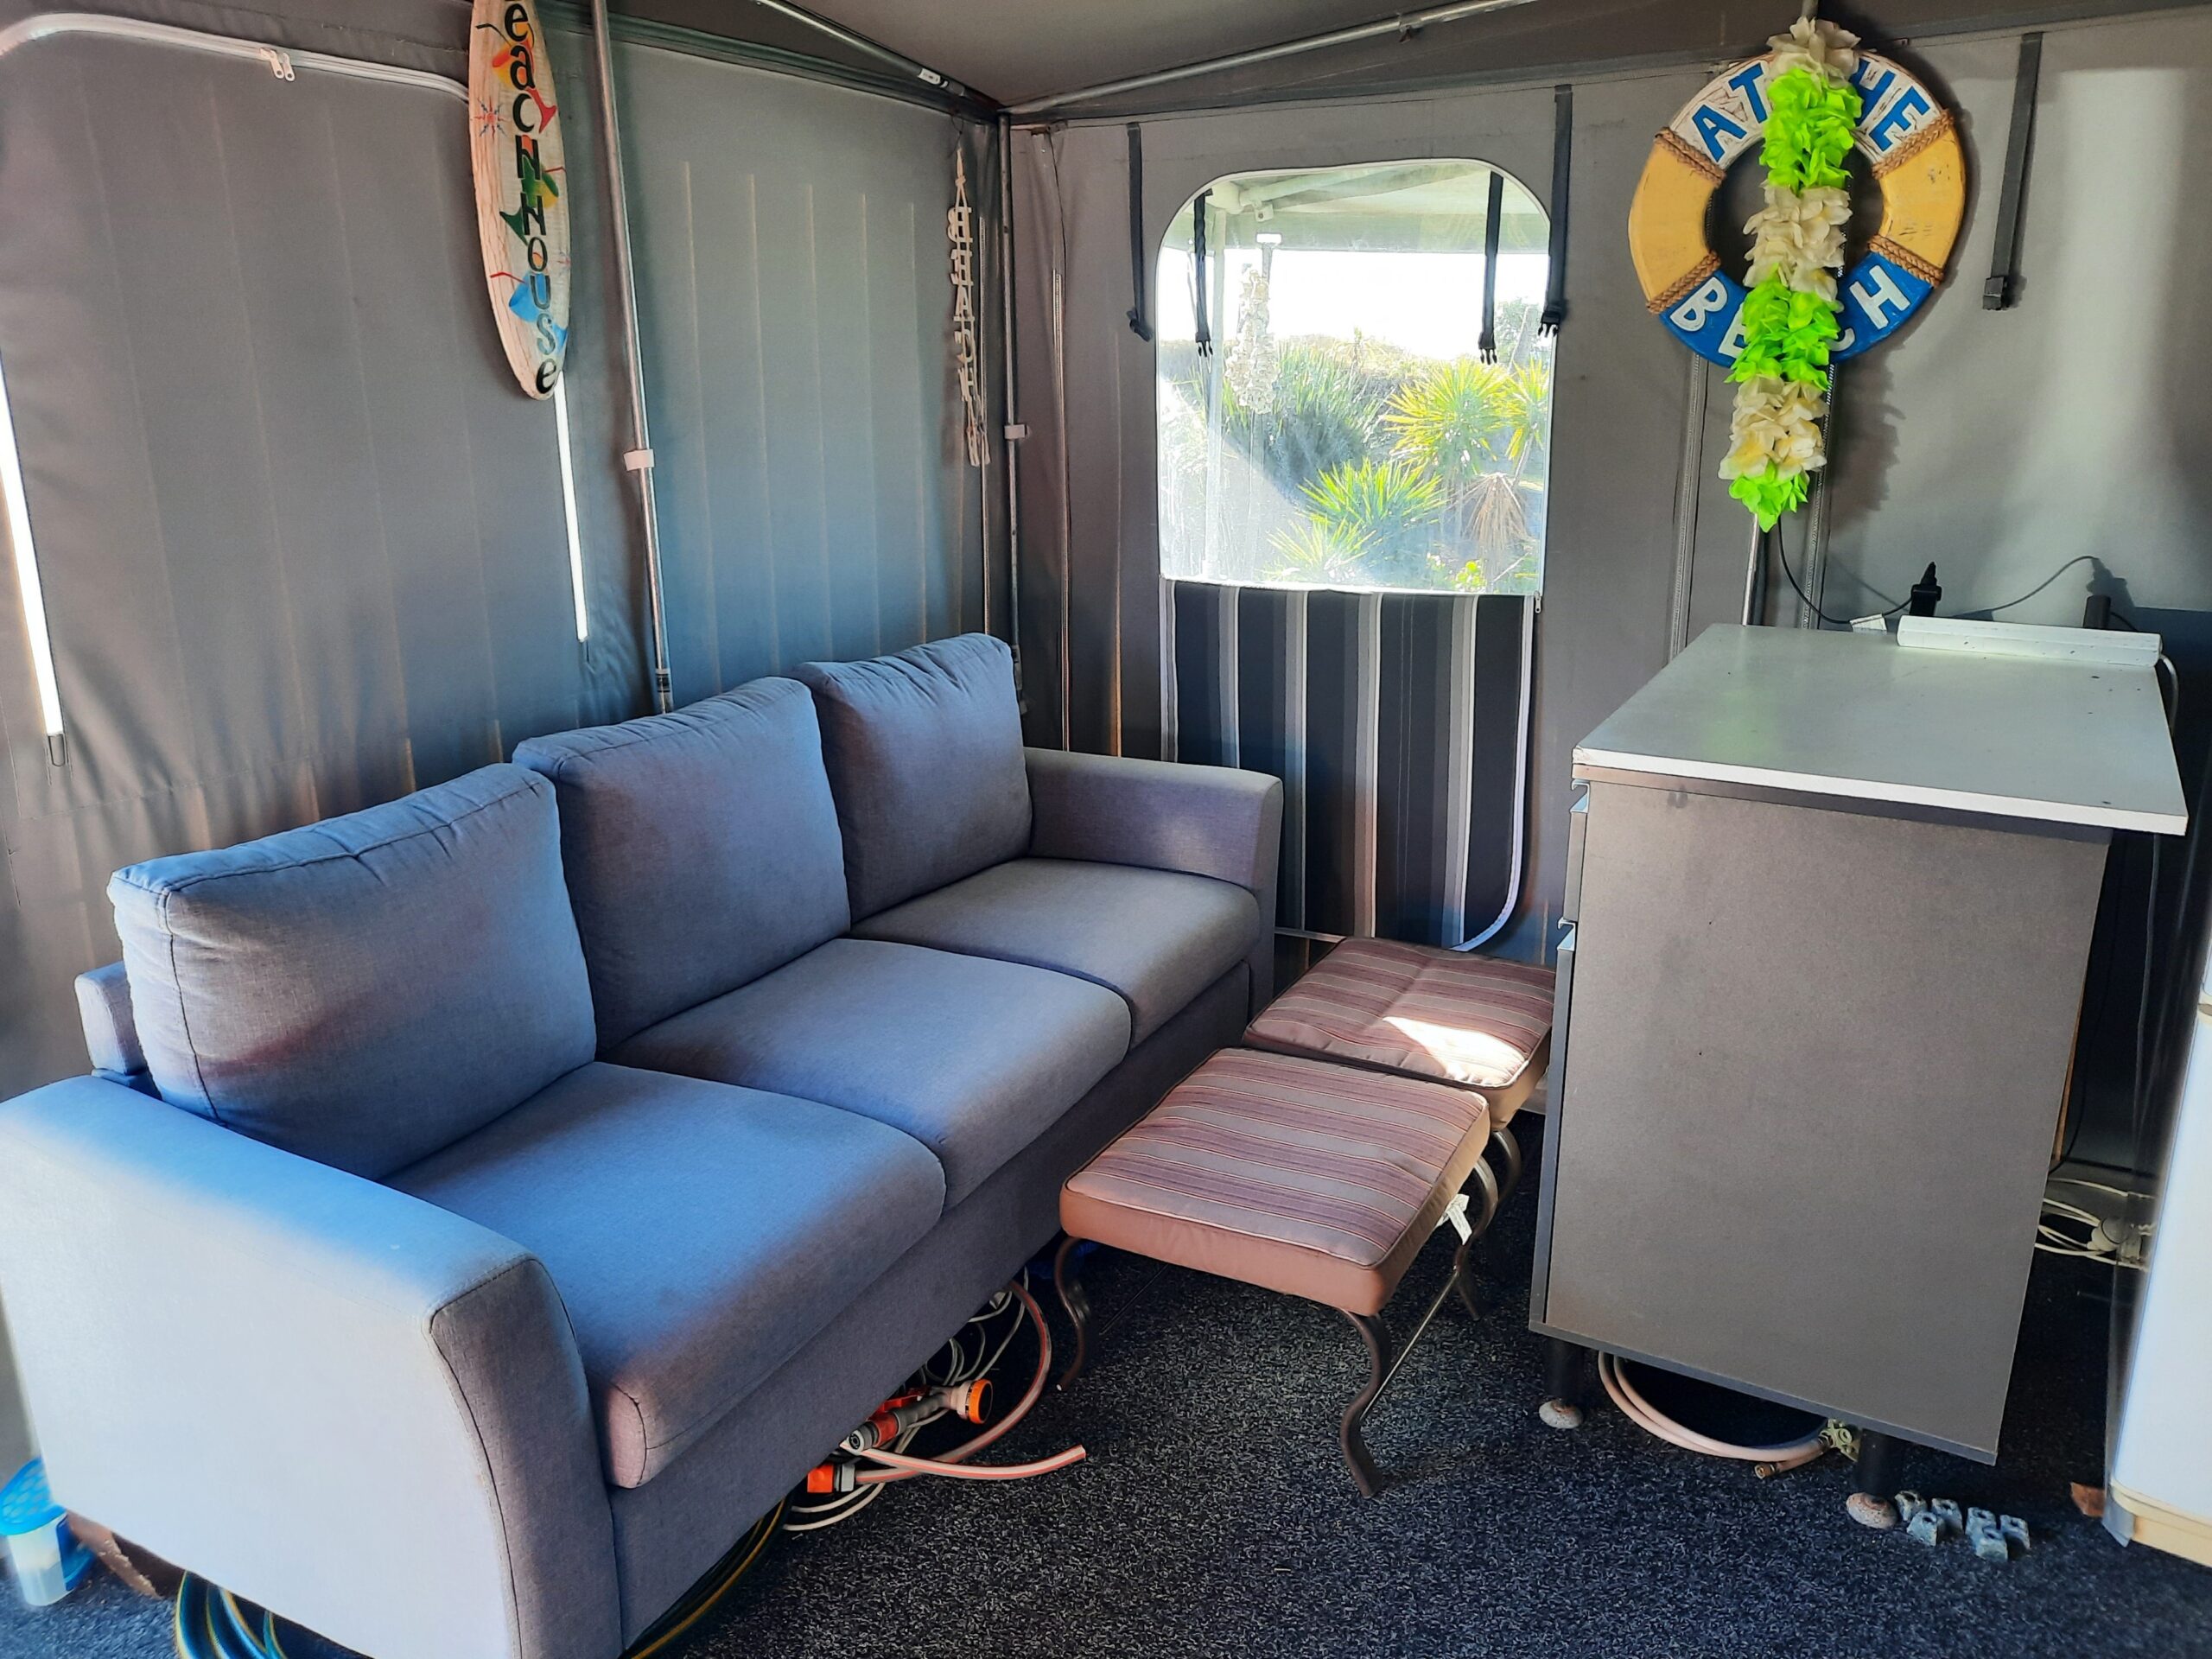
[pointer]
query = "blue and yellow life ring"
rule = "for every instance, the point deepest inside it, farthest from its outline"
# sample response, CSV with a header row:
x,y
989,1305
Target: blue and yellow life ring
x,y
1913,145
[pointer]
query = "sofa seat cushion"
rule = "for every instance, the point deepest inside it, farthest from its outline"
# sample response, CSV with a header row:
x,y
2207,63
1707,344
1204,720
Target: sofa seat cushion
x,y
974,1058
1155,938
698,1234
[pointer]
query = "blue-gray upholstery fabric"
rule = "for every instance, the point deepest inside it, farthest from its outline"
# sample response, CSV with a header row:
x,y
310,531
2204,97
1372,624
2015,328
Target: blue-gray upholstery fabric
x,y
702,848
111,1033
925,757
1211,821
1157,937
698,1234
364,990
974,1058
671,1530
330,1397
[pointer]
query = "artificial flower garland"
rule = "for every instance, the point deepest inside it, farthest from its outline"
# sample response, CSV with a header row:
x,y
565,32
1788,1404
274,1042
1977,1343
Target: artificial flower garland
x,y
1789,316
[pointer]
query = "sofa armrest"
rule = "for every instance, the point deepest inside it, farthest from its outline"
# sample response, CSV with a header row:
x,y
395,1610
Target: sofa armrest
x,y
1213,821
362,1411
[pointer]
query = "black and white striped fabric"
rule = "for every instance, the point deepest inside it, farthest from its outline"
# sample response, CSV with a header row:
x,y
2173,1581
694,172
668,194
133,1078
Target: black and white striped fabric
x,y
1399,725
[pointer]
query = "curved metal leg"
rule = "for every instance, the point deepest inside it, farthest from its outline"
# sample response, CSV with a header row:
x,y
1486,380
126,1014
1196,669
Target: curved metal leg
x,y
1463,1279
1076,1304
1486,1178
1376,1335
1509,1149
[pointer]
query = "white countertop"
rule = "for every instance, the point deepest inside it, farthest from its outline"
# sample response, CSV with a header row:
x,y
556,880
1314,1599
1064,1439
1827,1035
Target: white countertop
x,y
2062,740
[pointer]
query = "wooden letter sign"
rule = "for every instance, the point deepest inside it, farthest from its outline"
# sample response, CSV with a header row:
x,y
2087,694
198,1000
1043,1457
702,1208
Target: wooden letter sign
x,y
522,212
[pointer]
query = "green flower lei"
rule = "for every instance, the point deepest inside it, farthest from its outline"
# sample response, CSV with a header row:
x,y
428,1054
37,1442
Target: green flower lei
x,y
1788,333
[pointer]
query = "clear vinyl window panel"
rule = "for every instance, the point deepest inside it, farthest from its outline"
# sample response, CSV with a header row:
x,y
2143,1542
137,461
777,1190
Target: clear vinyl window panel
x,y
1339,427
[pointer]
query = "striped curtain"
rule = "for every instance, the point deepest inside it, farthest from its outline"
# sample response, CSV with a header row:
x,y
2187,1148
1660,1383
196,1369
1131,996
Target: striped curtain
x,y
1398,723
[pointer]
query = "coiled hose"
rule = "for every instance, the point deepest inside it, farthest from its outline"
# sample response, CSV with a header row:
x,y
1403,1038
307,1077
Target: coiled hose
x,y
212,1624
1770,1459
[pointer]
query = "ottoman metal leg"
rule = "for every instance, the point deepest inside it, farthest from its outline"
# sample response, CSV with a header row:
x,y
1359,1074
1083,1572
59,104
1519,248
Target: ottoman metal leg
x,y
1473,1251
1493,1200
1509,1150
1077,1306
1463,1278
1376,1335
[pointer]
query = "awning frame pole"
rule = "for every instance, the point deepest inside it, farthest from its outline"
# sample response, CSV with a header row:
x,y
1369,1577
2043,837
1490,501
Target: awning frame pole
x,y
862,44
1405,23
1012,431
639,457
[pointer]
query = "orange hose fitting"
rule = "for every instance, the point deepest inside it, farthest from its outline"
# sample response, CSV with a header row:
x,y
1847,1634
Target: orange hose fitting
x,y
970,1402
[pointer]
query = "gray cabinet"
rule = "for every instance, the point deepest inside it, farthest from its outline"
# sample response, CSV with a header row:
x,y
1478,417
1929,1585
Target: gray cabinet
x,y
1813,1032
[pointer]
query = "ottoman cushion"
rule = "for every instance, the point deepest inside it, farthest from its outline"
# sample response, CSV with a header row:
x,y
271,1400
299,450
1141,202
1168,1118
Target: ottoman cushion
x,y
1317,1181
1422,1010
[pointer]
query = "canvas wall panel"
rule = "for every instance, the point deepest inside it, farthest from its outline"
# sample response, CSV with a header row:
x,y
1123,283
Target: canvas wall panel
x,y
795,306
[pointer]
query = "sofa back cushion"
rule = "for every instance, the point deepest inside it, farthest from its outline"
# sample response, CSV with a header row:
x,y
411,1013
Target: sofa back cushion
x,y
369,990
701,848
925,754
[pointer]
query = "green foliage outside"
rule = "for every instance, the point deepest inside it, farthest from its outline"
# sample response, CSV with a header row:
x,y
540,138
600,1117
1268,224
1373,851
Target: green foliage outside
x,y
1402,471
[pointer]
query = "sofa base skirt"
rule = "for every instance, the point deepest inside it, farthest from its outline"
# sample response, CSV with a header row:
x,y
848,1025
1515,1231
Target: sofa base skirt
x,y
670,1530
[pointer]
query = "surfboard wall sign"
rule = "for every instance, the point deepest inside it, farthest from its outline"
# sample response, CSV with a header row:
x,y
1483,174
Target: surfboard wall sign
x,y
522,212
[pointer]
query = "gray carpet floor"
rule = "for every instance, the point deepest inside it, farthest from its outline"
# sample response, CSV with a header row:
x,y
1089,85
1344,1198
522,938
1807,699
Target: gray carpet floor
x,y
1214,1517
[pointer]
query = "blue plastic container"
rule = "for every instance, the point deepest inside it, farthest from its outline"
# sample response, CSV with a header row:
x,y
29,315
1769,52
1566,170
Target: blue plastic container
x,y
47,1561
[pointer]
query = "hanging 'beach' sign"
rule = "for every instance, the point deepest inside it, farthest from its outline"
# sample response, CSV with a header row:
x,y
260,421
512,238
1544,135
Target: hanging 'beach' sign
x,y
960,237
1807,104
522,213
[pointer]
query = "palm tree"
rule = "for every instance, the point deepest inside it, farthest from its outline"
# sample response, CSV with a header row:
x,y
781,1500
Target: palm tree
x,y
1478,430
1323,554
1387,509
1453,421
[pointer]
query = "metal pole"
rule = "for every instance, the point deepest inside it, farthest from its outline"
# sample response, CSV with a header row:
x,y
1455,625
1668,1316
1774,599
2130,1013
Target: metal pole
x,y
1014,431
640,456
1817,522
861,43
1405,23
1754,576
1687,479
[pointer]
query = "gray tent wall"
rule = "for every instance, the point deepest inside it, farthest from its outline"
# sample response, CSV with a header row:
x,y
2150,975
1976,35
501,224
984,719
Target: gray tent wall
x,y
300,535
1998,443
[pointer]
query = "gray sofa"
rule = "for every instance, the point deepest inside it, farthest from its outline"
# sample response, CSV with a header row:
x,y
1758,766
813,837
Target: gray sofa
x,y
485,1206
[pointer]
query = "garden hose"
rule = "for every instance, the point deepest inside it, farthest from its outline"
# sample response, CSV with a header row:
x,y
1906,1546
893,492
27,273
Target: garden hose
x,y
1770,1459
212,1624
702,1598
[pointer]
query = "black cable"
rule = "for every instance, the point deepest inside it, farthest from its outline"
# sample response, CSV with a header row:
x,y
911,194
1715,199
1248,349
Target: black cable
x,y
1781,549
1782,552
2079,558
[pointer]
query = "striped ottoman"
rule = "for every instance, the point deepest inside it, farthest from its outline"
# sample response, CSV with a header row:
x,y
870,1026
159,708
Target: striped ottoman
x,y
1417,1011
1316,1180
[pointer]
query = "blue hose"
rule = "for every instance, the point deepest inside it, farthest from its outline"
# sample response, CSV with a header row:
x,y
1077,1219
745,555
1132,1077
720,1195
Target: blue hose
x,y
212,1624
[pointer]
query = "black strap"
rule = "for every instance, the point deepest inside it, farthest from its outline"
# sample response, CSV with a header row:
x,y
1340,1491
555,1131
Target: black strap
x,y
1999,291
1205,335
1493,222
1562,167
1138,326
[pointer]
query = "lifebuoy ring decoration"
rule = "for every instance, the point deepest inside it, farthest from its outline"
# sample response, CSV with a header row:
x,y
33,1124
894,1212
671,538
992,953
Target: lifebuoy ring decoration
x,y
1913,145
1810,101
